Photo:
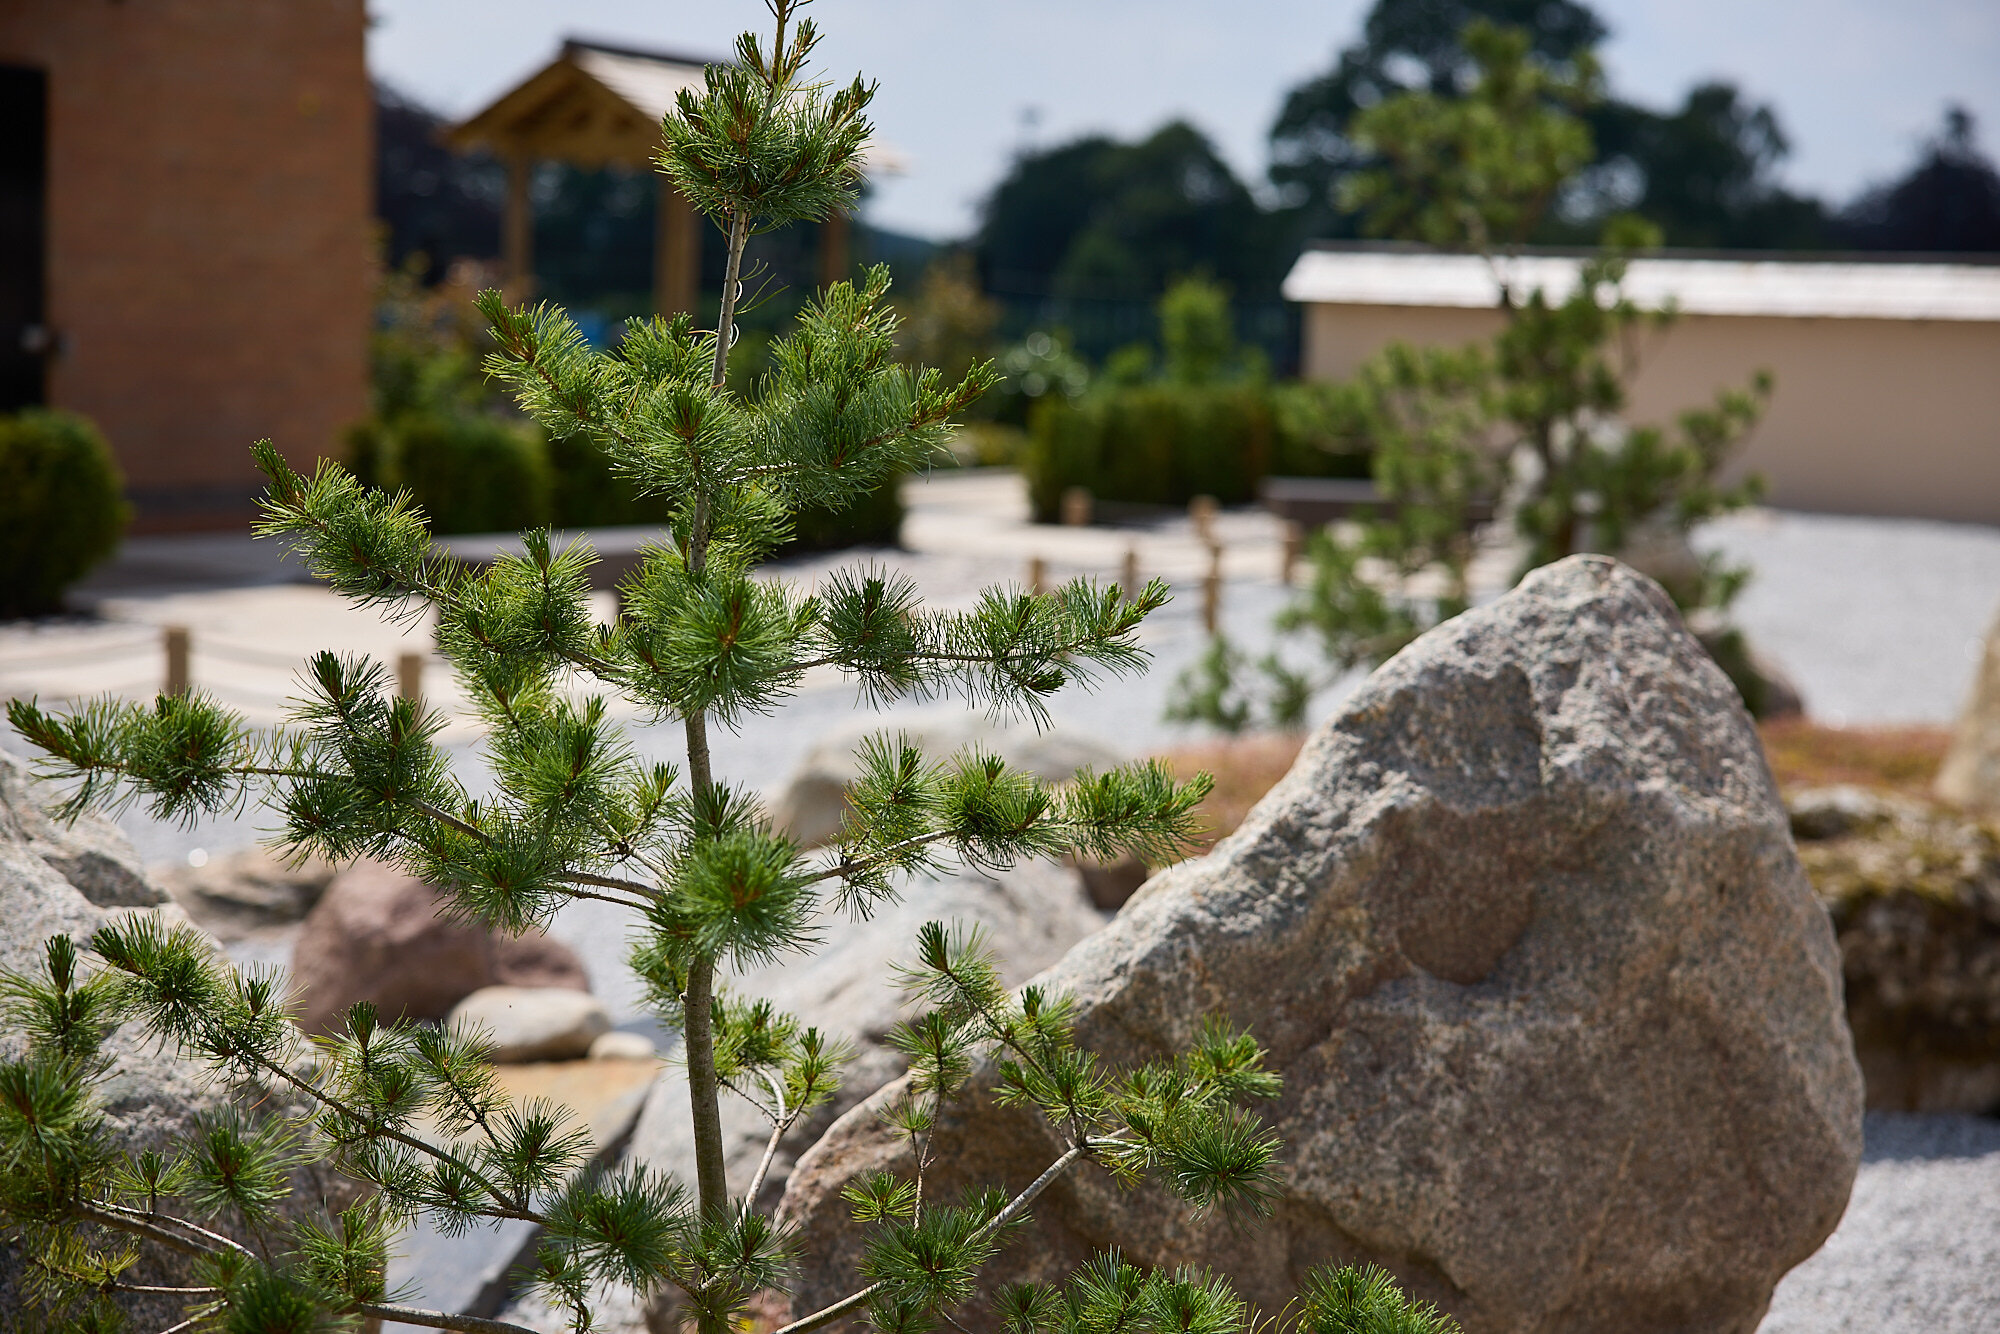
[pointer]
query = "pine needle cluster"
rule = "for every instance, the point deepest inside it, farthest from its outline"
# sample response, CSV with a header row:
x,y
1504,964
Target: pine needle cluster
x,y
412,1112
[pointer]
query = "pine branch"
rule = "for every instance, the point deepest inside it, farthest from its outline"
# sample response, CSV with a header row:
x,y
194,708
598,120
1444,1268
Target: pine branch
x,y
780,1123
142,1225
510,1207
413,1315
828,1314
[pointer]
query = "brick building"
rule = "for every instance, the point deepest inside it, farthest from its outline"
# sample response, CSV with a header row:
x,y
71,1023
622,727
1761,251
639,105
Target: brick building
x,y
185,234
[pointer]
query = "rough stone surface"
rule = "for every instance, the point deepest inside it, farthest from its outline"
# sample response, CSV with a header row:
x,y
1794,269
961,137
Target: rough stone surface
x,y
534,1023
379,935
247,890
1031,915
57,878
814,799
89,854
1970,775
1914,893
1524,930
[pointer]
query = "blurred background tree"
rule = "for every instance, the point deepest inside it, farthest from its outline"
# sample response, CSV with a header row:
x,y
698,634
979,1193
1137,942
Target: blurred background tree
x,y
1531,422
1949,201
1062,281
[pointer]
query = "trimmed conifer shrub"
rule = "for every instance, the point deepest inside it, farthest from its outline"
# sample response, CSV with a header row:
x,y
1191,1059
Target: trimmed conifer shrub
x,y
62,507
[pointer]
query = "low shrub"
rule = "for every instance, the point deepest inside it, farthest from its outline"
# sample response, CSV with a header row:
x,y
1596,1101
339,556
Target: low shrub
x,y
62,507
873,520
587,494
471,474
1161,443
1150,444
1318,431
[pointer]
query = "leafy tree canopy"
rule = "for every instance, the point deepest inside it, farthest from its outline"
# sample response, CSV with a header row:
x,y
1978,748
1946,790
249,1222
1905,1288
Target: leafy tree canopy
x,y
1405,46
1949,201
1704,174
1100,218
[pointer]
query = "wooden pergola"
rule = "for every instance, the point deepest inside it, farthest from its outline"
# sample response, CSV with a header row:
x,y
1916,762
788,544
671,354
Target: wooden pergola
x,y
598,106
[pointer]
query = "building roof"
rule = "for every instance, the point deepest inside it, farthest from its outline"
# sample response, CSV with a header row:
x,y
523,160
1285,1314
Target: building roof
x,y
649,81
1799,288
599,105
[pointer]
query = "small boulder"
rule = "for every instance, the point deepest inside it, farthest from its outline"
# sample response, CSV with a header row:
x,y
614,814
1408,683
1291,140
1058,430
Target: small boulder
x,y
380,935
1523,930
1970,774
622,1047
247,890
814,800
90,853
525,1024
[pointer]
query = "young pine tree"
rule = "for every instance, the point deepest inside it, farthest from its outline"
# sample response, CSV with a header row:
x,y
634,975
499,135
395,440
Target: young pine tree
x,y
411,1112
1531,420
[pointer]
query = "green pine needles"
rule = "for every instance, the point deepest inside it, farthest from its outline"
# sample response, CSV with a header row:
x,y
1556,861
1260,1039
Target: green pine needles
x,y
410,1114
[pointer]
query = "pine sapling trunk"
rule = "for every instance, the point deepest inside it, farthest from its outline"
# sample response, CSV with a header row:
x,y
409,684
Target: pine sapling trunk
x,y
704,1092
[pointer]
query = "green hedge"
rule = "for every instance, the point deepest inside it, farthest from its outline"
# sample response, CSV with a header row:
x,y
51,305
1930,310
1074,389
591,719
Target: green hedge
x,y
1164,444
62,508
486,475
875,520
1152,444
470,474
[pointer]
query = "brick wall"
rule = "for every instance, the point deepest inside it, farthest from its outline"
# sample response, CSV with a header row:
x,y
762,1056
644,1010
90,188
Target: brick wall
x,y
209,263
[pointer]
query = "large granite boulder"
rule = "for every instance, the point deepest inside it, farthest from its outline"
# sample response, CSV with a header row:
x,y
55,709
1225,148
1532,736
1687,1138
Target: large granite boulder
x,y
1031,916
1970,774
73,878
1523,929
379,935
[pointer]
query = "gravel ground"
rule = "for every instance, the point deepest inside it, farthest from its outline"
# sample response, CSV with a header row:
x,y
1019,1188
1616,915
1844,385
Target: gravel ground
x,y
1880,621
1919,1249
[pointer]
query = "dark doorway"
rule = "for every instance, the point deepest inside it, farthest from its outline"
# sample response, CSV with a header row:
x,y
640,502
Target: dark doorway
x,y
25,339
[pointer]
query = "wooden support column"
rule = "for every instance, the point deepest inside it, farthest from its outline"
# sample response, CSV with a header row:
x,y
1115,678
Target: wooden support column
x,y
676,253
835,245
517,229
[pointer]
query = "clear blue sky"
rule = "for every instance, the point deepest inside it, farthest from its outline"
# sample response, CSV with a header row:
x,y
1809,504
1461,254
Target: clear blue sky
x,y
1857,83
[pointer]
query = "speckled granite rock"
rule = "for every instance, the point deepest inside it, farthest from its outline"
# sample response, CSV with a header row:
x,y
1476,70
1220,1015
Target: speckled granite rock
x,y
57,878
1523,928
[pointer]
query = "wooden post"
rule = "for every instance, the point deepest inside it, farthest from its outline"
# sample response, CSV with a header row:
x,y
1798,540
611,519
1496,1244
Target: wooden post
x,y
517,229
1038,575
175,640
410,676
1076,506
1211,590
676,253
1201,511
835,243
1128,578
1295,542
